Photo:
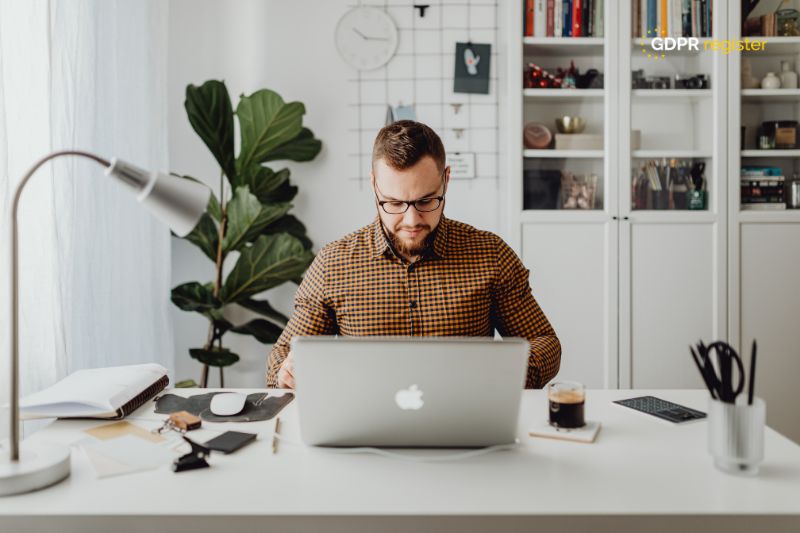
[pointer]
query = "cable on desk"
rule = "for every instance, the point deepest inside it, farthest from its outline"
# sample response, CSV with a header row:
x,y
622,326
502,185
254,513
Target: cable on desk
x,y
413,458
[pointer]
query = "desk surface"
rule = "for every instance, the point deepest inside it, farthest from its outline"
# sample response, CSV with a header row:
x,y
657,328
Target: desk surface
x,y
638,467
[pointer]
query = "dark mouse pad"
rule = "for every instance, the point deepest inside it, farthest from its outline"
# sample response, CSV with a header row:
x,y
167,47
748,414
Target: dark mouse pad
x,y
256,407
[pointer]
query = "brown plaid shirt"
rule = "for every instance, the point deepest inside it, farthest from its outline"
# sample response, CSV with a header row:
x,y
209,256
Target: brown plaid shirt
x,y
469,283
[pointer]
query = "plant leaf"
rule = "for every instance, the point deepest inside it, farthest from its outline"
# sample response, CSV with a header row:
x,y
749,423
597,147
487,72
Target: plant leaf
x,y
193,296
211,116
284,193
214,357
247,218
205,236
269,262
291,225
243,210
264,331
304,147
262,180
266,122
263,307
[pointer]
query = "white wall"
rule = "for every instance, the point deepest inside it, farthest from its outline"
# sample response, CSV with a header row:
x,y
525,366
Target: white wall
x,y
288,47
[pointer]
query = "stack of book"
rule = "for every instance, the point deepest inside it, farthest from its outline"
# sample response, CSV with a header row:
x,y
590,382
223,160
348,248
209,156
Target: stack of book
x,y
672,18
762,188
562,18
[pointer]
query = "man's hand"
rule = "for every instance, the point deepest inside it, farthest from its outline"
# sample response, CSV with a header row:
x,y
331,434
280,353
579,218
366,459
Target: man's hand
x,y
286,373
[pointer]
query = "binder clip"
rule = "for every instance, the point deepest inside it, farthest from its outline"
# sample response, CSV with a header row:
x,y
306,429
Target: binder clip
x,y
192,460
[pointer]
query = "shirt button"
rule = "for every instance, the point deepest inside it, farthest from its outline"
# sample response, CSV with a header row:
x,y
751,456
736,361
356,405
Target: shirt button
x,y
412,304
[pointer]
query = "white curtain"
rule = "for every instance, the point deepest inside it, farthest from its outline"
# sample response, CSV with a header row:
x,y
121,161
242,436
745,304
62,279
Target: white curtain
x,y
95,267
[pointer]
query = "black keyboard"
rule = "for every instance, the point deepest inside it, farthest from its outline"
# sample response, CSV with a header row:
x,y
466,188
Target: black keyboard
x,y
662,409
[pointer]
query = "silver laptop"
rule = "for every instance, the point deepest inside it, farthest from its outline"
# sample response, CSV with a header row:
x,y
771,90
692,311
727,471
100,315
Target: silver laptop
x,y
414,392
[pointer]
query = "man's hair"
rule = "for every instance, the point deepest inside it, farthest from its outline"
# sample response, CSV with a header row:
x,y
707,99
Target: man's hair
x,y
403,143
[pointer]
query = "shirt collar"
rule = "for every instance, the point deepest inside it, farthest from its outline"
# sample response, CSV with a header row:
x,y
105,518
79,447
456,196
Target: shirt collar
x,y
380,243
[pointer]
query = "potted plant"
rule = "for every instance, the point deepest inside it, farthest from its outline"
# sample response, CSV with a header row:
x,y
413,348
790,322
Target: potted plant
x,y
251,226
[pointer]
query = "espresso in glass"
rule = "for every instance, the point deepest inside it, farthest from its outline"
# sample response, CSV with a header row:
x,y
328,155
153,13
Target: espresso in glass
x,y
566,400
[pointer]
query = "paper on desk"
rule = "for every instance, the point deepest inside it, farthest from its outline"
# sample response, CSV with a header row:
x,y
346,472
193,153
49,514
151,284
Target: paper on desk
x,y
122,428
586,434
126,454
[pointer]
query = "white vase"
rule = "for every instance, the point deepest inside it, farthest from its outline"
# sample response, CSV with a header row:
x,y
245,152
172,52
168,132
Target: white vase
x,y
788,76
771,81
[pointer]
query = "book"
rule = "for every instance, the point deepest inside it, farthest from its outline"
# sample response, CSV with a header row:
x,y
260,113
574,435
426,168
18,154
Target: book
x,y
111,392
577,19
529,18
540,18
551,8
771,206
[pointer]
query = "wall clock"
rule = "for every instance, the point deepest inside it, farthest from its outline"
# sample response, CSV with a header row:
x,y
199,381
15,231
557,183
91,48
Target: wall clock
x,y
366,37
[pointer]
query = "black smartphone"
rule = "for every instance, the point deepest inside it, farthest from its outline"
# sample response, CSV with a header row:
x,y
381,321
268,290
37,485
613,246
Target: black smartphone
x,y
230,441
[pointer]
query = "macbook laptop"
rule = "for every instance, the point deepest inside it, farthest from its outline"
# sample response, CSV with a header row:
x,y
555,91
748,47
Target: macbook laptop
x,y
413,392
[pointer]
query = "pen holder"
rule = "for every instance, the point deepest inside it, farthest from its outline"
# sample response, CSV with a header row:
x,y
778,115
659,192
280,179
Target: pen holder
x,y
736,435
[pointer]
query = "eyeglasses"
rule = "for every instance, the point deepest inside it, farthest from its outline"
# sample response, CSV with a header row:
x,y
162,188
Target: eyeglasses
x,y
398,207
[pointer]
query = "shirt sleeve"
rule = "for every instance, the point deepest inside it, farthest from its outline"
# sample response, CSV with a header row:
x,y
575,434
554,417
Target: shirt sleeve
x,y
517,314
313,315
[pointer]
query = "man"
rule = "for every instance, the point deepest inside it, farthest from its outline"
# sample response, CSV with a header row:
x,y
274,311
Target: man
x,y
415,272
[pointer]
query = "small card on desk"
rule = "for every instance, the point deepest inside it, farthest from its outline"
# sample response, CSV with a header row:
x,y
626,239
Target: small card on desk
x,y
587,433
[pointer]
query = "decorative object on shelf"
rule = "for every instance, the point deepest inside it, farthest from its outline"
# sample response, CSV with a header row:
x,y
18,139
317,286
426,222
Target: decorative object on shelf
x,y
771,81
762,188
578,191
472,67
366,37
691,81
570,124
780,134
579,141
537,136
535,77
788,23
669,184
793,193
640,81
251,225
748,80
541,188
788,76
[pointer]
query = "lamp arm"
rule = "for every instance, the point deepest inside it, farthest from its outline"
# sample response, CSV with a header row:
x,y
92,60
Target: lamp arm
x,y
14,259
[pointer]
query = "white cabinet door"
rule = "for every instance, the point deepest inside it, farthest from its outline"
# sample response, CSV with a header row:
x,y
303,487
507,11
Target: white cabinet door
x,y
573,275
672,294
770,313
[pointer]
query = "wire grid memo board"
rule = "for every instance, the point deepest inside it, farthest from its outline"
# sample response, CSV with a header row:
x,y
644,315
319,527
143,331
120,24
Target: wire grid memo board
x,y
421,74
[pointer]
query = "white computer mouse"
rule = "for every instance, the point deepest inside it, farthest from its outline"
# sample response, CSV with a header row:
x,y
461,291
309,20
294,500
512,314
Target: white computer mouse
x,y
227,403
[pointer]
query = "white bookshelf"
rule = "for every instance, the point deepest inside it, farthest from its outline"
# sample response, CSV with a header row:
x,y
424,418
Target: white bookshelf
x,y
578,154
564,94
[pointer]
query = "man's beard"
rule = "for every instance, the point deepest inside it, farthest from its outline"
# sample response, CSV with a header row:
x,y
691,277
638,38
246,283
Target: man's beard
x,y
414,247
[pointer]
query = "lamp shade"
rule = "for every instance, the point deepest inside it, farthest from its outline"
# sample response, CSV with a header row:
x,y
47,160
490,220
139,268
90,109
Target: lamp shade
x,y
178,202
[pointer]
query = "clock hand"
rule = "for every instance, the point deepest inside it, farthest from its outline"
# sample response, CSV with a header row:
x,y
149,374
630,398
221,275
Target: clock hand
x,y
366,38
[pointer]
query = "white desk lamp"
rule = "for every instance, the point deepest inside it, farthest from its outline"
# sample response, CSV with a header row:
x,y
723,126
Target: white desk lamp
x,y
177,202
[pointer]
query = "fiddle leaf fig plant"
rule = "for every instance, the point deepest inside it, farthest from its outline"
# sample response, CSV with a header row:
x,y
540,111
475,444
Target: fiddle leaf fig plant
x,y
251,228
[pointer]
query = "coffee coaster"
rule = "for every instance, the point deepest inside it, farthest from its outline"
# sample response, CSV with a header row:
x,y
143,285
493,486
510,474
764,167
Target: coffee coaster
x,y
587,433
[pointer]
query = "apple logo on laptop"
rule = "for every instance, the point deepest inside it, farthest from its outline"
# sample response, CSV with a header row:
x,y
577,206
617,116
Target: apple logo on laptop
x,y
409,399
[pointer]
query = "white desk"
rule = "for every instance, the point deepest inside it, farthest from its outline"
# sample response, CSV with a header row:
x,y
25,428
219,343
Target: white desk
x,y
641,474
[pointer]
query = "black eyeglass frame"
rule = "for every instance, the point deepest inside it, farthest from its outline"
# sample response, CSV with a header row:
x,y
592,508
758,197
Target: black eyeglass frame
x,y
439,199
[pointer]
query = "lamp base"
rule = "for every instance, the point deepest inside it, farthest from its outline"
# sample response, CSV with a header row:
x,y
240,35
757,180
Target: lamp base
x,y
39,466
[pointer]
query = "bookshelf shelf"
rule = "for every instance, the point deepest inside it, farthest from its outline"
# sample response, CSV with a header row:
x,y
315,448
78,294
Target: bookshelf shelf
x,y
782,96
770,153
564,94
563,46
694,95
681,154
555,154
775,46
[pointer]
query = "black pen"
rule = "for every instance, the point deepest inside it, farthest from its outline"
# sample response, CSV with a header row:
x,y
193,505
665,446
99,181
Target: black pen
x,y
703,373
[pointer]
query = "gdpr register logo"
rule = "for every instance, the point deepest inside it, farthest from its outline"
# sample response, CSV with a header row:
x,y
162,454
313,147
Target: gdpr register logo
x,y
656,46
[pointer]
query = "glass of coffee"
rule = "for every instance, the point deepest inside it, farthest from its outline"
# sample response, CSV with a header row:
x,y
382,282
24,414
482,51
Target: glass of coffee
x,y
566,399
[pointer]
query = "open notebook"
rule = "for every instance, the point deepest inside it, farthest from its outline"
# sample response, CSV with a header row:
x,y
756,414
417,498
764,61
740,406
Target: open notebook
x,y
112,392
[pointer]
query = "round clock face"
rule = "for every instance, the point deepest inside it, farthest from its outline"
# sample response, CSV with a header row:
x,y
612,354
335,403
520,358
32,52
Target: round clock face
x,y
366,37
